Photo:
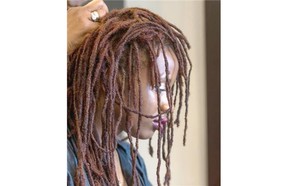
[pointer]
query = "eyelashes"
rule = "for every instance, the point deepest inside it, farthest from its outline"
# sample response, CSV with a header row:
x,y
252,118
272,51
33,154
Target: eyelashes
x,y
160,88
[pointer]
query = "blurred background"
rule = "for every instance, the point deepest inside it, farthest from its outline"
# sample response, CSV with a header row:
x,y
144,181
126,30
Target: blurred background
x,y
197,163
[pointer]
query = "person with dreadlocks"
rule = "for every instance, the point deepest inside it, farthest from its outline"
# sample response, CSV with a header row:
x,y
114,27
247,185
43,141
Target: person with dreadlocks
x,y
128,75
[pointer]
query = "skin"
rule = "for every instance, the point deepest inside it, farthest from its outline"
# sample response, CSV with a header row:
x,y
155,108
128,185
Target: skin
x,y
79,23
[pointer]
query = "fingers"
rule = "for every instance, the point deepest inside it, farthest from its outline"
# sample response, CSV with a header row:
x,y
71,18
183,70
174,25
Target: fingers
x,y
80,23
99,6
102,12
96,5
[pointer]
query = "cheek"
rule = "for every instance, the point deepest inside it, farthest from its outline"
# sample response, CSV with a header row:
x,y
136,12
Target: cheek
x,y
149,101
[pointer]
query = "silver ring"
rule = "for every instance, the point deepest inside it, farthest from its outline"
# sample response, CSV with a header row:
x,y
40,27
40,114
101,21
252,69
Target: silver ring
x,y
95,16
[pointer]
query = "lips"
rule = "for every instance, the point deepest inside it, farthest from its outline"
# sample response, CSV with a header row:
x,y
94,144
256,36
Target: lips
x,y
156,126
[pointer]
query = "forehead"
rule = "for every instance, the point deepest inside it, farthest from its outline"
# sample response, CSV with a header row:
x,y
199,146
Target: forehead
x,y
160,60
171,62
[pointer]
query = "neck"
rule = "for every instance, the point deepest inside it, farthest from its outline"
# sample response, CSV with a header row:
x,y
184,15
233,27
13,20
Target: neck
x,y
119,173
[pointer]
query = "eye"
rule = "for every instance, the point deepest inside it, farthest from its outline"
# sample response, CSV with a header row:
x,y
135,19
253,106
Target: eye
x,y
160,88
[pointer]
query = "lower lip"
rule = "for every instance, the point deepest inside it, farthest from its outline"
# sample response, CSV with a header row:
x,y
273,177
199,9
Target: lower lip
x,y
156,126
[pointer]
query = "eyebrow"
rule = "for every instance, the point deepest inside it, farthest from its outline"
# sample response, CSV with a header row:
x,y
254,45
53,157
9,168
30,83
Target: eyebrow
x,y
164,72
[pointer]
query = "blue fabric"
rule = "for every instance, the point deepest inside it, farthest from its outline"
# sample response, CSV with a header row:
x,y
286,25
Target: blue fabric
x,y
123,150
72,163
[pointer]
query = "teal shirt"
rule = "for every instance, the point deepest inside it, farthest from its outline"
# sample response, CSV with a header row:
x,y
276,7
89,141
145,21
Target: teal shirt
x,y
123,150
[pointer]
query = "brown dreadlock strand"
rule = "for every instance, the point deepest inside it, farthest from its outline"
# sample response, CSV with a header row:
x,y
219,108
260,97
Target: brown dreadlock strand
x,y
108,64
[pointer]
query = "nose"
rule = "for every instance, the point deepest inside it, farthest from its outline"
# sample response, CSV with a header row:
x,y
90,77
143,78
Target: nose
x,y
164,105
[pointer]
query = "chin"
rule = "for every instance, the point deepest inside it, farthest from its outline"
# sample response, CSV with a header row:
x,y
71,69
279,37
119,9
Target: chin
x,y
143,135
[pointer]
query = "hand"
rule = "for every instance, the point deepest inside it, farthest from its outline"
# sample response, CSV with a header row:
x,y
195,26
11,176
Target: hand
x,y
79,23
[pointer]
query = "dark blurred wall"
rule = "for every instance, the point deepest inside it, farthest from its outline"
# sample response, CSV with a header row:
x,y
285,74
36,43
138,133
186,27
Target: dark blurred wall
x,y
114,4
212,24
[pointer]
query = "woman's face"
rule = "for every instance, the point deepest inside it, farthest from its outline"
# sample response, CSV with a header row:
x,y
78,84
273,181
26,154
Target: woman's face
x,y
149,96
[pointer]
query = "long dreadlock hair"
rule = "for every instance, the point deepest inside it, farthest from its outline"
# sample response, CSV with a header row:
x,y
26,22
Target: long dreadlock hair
x,y
109,59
